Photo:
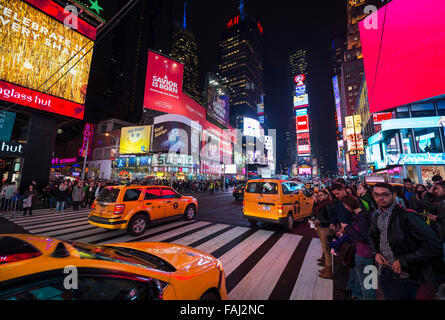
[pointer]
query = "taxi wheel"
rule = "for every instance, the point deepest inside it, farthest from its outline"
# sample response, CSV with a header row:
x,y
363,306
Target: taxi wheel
x,y
138,225
253,223
289,224
190,212
209,296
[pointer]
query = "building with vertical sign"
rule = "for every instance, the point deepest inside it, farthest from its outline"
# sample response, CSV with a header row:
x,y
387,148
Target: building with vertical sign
x,y
241,65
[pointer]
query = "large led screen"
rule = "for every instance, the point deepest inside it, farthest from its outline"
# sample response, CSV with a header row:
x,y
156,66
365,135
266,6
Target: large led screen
x,y
35,55
404,56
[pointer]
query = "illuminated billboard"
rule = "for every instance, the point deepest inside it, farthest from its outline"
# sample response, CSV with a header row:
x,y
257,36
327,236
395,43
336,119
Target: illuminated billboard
x,y
302,121
135,140
163,85
36,69
251,127
404,55
337,103
354,135
301,101
303,143
218,109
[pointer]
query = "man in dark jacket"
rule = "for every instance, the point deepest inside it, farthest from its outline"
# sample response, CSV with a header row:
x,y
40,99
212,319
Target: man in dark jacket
x,y
403,245
437,217
339,213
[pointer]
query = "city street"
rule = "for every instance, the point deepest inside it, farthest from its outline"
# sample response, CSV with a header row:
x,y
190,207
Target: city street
x,y
260,264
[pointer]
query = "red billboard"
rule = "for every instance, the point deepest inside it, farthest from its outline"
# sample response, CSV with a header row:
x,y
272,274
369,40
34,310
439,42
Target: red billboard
x,y
163,85
303,143
302,122
404,56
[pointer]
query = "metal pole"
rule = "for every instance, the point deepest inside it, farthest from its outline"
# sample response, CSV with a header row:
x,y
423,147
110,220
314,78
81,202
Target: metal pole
x,y
85,160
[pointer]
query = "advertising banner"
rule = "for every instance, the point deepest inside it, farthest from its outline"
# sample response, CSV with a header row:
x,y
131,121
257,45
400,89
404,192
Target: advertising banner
x,y
302,121
135,140
405,34
163,86
251,127
218,109
34,58
7,120
87,143
132,162
175,133
303,143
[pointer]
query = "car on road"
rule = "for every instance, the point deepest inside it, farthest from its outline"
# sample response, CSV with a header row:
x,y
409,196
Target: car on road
x,y
41,268
276,201
134,208
238,191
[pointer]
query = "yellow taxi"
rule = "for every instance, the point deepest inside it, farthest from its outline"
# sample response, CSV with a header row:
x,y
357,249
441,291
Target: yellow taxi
x,y
40,268
276,201
134,208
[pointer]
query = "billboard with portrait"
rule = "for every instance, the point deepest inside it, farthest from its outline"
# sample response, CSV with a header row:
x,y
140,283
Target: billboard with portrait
x,y
218,109
36,69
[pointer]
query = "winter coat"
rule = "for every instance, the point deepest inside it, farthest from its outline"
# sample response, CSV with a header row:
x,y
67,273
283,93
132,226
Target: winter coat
x,y
358,233
62,193
322,212
77,193
412,242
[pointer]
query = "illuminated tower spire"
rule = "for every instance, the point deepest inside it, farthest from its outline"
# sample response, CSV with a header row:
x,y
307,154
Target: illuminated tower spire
x,y
241,10
184,22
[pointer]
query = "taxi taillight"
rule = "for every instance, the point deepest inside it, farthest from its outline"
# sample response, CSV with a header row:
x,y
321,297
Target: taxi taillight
x,y
119,209
280,209
93,206
19,257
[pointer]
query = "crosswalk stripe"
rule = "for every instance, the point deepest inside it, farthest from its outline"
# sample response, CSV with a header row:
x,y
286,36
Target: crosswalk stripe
x,y
67,231
179,232
48,214
307,279
284,286
98,235
59,228
78,236
211,238
257,284
50,224
232,243
40,220
187,240
151,232
220,240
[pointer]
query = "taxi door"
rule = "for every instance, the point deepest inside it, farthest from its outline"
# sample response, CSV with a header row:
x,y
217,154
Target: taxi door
x,y
305,203
173,206
154,203
288,198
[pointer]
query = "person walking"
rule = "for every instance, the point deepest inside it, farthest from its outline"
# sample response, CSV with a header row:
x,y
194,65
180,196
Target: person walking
x,y
28,200
77,195
403,246
358,233
61,196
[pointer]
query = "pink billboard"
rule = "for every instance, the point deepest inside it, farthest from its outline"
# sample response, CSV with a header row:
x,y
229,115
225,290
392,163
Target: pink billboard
x,y
163,84
404,53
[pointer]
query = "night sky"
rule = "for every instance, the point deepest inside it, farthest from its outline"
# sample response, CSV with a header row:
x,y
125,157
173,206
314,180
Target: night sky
x,y
287,24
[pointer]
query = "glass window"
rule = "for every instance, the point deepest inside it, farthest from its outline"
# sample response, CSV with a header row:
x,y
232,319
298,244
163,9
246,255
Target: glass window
x,y
441,108
428,140
152,193
132,195
108,195
402,112
262,187
168,193
391,144
423,110
407,141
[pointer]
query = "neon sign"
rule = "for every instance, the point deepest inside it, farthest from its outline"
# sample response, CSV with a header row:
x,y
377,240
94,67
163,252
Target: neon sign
x,y
419,158
87,140
63,161
299,80
233,21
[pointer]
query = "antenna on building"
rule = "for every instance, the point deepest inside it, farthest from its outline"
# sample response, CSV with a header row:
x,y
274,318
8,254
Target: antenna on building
x,y
184,22
241,10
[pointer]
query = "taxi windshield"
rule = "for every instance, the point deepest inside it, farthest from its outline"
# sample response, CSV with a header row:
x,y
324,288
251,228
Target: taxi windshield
x,y
108,195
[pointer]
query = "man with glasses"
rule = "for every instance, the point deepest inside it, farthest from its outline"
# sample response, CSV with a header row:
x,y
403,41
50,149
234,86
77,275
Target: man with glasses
x,y
403,245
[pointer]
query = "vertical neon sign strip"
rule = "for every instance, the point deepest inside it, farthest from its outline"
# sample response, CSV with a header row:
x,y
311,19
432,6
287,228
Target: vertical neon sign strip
x,y
87,140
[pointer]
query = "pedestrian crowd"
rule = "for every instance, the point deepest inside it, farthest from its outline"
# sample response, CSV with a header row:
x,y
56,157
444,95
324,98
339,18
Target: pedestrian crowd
x,y
61,194
398,231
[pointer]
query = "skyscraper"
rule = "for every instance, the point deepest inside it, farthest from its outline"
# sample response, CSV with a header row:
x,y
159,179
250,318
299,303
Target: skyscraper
x,y
241,65
185,50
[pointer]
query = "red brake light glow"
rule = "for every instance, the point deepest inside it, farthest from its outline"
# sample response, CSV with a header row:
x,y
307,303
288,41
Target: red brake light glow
x,y
119,209
19,257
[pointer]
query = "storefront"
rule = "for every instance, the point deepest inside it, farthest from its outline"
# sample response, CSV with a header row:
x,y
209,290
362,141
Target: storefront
x,y
11,162
67,168
131,167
